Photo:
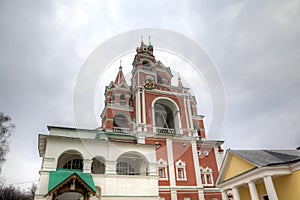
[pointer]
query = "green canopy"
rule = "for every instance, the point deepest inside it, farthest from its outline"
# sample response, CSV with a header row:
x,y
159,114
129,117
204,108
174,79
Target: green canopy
x,y
60,175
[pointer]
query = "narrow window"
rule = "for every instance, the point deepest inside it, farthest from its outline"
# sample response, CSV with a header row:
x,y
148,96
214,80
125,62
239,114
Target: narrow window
x,y
161,172
122,99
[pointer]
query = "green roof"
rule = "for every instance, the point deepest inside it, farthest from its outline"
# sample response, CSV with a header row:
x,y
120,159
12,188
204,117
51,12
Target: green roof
x,y
59,176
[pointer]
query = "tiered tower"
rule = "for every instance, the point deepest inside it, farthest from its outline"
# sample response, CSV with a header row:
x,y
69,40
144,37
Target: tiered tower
x,y
156,112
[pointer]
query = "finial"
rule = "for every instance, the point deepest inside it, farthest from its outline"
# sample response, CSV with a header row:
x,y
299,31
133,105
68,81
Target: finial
x,y
120,68
179,79
142,39
149,40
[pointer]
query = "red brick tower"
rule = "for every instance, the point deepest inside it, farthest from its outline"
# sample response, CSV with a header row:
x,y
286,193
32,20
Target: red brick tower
x,y
156,112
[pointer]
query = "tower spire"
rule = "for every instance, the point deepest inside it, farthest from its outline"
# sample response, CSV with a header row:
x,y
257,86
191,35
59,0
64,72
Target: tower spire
x,y
120,68
149,40
179,81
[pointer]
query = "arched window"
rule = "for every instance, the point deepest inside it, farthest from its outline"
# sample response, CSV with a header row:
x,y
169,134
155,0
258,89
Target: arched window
x,y
206,176
70,160
132,163
122,99
164,119
98,166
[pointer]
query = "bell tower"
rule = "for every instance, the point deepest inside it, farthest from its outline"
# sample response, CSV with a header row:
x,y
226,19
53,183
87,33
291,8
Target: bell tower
x,y
154,112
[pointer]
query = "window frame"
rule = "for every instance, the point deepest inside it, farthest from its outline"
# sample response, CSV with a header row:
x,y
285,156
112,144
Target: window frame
x,y
181,166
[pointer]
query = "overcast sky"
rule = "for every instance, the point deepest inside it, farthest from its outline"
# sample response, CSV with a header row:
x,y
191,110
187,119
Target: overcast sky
x,y
255,45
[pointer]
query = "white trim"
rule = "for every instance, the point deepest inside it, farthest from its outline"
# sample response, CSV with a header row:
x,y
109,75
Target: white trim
x,y
295,167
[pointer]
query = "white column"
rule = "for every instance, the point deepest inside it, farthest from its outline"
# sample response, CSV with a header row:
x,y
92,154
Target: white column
x,y
224,195
253,191
270,188
235,193
171,168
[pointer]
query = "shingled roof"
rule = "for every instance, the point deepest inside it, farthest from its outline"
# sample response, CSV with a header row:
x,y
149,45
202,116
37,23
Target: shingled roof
x,y
262,158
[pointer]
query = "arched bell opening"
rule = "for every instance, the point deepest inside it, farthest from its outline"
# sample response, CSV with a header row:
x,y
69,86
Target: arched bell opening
x,y
166,117
120,124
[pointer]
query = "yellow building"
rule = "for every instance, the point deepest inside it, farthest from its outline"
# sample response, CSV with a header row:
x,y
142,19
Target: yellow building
x,y
260,175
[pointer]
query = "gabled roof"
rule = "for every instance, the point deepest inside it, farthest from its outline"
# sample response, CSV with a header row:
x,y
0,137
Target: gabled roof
x,y
237,163
58,177
268,157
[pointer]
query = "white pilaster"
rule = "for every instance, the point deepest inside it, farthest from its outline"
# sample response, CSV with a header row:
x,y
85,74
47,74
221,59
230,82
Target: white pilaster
x,y
137,105
196,163
224,195
253,191
201,194
270,188
219,157
173,195
190,113
235,193
144,107
171,168
87,163
186,113
110,167
153,119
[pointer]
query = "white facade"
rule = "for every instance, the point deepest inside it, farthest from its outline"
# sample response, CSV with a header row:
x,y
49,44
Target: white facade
x,y
112,185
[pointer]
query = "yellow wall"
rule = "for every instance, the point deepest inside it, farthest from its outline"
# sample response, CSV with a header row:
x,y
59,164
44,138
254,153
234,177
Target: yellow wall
x,y
288,187
237,166
244,193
